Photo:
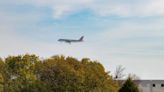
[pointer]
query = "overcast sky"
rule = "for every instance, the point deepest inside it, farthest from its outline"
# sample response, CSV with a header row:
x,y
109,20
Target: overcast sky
x,y
117,32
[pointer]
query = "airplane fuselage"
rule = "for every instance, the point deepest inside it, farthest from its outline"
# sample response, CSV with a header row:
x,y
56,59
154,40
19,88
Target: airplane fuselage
x,y
71,40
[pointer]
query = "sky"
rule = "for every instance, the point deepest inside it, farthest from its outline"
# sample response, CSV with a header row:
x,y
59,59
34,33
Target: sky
x,y
116,32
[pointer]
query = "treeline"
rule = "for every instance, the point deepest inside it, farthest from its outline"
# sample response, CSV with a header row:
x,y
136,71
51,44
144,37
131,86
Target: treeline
x,y
28,73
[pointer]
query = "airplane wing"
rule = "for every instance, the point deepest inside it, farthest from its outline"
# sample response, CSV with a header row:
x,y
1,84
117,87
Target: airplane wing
x,y
67,41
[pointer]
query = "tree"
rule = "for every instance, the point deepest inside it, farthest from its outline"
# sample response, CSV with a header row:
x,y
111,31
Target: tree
x,y
67,74
119,72
129,86
1,75
27,73
21,66
96,79
5,76
61,74
20,72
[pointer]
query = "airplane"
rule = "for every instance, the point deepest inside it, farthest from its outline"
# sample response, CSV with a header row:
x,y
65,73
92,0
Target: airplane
x,y
71,40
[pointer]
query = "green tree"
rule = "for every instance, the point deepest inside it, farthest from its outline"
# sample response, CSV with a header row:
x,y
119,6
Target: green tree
x,y
19,85
96,79
27,73
129,86
5,76
67,74
21,66
60,75
1,75
21,74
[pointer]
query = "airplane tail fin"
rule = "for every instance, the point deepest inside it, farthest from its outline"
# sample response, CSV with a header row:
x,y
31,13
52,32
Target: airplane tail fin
x,y
81,38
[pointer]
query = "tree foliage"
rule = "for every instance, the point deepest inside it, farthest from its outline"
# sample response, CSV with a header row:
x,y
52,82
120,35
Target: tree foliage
x,y
129,86
27,73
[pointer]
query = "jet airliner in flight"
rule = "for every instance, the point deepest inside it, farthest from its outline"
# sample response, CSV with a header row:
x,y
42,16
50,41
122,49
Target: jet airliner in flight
x,y
71,40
